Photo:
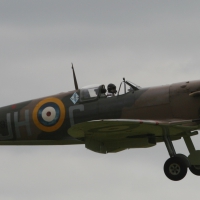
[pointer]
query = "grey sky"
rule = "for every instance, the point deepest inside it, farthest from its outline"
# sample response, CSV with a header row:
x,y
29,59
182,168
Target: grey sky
x,y
148,42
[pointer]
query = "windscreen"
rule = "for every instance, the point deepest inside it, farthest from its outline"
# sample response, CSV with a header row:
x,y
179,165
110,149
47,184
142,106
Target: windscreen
x,y
89,93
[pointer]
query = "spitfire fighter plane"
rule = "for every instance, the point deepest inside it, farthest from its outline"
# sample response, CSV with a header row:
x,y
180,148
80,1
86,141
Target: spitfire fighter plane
x,y
111,122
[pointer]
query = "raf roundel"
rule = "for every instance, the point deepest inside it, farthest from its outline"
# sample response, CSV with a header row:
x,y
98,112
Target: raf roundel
x,y
49,114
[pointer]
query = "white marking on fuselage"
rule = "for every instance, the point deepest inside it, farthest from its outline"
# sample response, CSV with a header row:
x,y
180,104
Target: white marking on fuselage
x,y
25,123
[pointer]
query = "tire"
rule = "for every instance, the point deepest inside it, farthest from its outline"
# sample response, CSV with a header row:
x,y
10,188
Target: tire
x,y
195,169
185,158
175,168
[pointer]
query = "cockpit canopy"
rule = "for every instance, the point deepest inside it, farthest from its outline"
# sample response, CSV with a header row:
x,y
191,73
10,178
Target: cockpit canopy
x,y
92,92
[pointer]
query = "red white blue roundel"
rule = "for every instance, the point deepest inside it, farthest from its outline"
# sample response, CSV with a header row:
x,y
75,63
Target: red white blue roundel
x,y
49,114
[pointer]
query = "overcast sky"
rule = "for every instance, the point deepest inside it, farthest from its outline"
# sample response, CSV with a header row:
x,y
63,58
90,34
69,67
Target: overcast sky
x,y
147,42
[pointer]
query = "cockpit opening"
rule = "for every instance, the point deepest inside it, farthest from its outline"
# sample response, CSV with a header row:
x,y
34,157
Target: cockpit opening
x,y
93,92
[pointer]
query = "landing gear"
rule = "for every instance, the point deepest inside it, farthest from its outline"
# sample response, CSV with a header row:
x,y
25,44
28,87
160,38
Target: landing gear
x,y
195,169
194,156
175,168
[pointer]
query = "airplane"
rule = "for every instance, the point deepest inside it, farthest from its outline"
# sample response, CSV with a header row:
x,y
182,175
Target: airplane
x,y
132,117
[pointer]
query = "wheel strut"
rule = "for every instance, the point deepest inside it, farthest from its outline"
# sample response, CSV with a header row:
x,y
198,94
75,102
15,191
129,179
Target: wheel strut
x,y
175,167
189,144
194,156
169,145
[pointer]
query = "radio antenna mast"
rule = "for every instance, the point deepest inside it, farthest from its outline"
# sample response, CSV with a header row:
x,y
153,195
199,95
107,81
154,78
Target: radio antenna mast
x,y
74,75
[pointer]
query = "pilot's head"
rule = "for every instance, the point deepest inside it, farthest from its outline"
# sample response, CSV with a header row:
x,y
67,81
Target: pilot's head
x,y
103,90
112,88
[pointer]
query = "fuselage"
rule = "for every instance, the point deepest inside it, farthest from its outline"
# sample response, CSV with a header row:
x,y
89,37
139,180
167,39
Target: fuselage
x,y
47,120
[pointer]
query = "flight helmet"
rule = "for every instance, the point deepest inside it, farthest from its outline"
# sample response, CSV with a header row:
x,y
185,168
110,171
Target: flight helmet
x,y
112,88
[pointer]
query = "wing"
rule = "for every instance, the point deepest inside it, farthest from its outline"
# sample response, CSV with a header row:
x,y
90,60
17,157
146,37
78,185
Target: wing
x,y
118,134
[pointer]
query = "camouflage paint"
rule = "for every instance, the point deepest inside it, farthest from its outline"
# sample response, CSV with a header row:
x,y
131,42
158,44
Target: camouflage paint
x,y
23,121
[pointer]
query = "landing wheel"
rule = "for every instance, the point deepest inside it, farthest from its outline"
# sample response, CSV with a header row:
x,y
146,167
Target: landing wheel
x,y
185,158
195,169
175,168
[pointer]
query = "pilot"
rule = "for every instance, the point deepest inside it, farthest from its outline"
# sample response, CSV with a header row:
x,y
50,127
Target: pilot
x,y
102,92
111,90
